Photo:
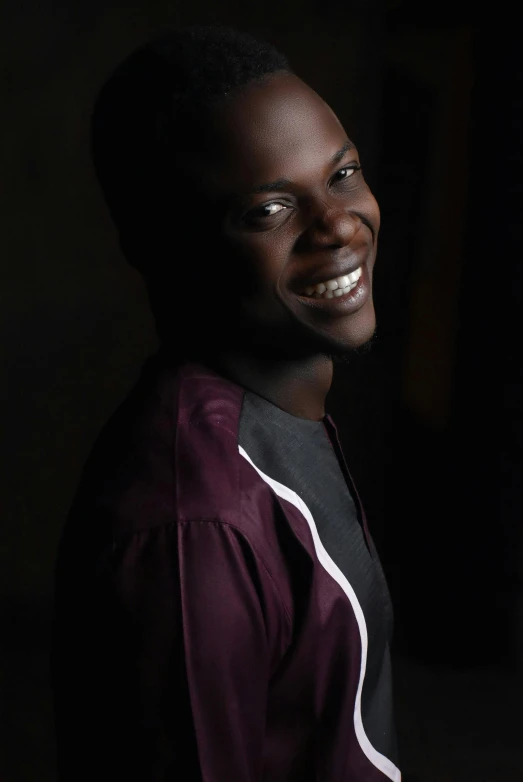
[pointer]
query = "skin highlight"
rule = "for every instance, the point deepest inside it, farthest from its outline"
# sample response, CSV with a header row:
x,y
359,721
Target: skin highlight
x,y
284,188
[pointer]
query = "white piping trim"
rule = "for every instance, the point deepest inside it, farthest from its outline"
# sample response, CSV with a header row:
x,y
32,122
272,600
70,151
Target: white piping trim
x,y
381,762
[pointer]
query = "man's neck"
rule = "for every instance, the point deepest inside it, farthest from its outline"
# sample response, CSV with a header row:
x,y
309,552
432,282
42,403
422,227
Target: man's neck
x,y
297,386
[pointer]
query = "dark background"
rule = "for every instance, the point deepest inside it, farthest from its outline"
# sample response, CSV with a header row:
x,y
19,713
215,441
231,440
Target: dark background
x,y
431,420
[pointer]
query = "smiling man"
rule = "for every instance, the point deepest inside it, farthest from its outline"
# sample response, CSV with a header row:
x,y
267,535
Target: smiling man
x,y
221,613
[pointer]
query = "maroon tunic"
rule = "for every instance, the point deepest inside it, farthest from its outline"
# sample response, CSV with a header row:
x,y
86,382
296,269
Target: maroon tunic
x,y
221,614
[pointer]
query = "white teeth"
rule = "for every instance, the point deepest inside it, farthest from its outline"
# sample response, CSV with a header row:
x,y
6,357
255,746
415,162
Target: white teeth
x,y
335,287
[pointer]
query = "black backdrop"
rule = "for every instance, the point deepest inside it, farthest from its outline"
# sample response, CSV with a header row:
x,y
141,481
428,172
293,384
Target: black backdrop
x,y
431,419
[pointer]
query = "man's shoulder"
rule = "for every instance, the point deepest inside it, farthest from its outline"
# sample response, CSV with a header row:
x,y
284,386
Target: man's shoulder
x,y
206,455
168,453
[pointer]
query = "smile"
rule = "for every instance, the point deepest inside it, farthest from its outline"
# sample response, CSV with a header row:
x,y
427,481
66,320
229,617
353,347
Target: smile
x,y
332,289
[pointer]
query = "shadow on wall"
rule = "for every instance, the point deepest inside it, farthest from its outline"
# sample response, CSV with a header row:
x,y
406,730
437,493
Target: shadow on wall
x,y
27,749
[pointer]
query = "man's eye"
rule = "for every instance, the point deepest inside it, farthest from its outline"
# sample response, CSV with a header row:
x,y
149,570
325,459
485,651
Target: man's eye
x,y
267,210
271,209
347,171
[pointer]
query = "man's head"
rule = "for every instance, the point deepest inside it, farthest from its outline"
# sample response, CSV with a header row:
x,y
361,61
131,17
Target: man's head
x,y
236,191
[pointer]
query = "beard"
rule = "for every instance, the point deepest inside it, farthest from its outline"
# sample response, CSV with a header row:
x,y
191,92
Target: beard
x,y
344,357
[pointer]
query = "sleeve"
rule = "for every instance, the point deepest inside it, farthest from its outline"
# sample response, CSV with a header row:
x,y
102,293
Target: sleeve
x,y
162,657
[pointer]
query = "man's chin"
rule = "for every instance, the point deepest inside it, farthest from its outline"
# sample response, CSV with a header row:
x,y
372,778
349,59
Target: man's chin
x,y
299,341
344,354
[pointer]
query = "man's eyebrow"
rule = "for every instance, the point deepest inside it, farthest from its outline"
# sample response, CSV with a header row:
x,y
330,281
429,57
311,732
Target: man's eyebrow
x,y
278,184
282,184
341,152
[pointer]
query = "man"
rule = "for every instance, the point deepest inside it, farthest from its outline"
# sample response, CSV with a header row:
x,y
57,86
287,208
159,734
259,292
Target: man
x,y
221,613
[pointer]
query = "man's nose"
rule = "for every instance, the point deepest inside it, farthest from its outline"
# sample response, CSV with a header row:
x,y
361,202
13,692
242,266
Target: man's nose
x,y
333,225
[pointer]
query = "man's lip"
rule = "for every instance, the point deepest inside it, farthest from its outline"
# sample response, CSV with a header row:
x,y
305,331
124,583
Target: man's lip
x,y
343,305
333,269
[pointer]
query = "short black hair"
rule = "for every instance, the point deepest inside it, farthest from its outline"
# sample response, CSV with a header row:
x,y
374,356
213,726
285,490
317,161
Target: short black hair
x,y
150,101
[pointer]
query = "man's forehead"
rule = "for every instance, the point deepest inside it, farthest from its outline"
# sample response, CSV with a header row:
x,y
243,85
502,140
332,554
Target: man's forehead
x,y
281,109
268,132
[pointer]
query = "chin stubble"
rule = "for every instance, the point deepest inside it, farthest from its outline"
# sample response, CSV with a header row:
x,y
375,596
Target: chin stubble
x,y
346,356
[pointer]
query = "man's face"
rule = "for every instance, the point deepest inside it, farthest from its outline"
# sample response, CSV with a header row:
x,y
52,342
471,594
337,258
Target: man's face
x,y
293,216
